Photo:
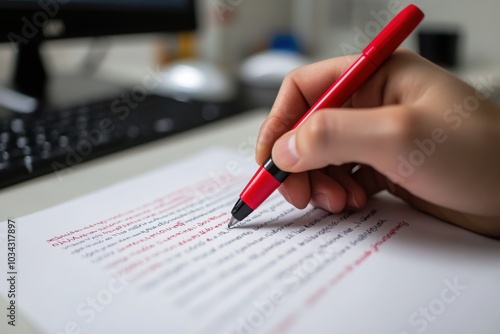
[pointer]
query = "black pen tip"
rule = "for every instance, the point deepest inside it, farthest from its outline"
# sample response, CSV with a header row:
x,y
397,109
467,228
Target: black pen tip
x,y
232,223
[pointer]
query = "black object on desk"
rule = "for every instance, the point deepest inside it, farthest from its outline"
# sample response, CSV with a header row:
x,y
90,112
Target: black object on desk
x,y
78,120
441,45
52,139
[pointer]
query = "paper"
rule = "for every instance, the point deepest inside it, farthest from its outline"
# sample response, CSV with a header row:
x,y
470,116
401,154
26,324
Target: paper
x,y
154,255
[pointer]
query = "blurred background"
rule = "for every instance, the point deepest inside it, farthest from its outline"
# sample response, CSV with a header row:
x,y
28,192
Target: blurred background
x,y
231,33
144,67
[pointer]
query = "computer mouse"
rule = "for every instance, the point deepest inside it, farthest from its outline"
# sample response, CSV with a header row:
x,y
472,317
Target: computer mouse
x,y
193,79
269,68
261,75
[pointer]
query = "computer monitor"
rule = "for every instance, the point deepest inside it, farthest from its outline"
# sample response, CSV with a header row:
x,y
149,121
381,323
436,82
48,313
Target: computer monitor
x,y
25,24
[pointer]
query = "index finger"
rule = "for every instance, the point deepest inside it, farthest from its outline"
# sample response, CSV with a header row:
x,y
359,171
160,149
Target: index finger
x,y
298,92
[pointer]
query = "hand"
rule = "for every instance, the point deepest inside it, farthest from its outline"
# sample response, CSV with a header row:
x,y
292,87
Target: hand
x,y
413,129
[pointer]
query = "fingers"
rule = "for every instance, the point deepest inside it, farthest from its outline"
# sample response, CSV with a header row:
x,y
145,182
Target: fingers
x,y
297,190
393,124
403,79
332,189
327,193
371,181
300,89
373,137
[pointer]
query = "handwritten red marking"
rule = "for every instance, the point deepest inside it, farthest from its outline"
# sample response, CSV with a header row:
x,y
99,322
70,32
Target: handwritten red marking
x,y
321,291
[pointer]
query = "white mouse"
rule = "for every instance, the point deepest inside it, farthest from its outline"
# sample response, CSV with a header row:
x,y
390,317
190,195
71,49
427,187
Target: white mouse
x,y
268,68
195,79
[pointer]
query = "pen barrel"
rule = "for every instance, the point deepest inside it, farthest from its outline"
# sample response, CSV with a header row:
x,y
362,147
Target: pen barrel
x,y
277,173
269,177
372,57
393,34
344,87
264,182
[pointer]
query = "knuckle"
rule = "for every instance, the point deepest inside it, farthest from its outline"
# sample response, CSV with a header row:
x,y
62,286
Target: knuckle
x,y
403,127
295,74
404,55
317,136
277,125
292,78
271,129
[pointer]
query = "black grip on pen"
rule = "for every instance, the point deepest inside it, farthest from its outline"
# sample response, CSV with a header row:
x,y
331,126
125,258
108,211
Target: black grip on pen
x,y
241,210
275,171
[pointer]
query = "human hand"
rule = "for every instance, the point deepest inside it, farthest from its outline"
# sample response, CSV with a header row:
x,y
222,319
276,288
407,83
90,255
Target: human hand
x,y
412,129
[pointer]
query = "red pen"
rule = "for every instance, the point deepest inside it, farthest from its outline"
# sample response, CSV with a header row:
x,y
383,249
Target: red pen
x,y
269,177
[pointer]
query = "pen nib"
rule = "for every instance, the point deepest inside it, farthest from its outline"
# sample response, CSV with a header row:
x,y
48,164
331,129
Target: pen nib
x,y
232,222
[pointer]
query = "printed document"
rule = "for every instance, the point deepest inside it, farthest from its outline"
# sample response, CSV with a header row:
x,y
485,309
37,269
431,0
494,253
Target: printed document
x,y
153,255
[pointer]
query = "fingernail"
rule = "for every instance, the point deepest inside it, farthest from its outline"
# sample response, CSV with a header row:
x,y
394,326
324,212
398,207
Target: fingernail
x,y
285,151
322,201
354,202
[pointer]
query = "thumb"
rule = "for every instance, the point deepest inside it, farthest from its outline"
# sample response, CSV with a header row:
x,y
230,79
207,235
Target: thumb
x,y
371,136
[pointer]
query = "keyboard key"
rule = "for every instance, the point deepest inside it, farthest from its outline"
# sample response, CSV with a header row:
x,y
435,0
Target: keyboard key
x,y
29,146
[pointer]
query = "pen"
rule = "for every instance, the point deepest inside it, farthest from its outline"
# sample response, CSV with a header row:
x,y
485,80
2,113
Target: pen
x,y
269,177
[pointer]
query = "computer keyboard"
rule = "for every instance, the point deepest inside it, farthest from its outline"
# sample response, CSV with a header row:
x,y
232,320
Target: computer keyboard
x,y
51,140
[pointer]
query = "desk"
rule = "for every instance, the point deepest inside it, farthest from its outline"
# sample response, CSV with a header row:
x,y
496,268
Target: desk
x,y
48,190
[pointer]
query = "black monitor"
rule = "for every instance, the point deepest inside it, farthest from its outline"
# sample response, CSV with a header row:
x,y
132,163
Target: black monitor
x,y
25,24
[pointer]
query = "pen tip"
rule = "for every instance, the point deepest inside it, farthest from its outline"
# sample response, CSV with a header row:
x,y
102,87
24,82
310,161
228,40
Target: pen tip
x,y
232,223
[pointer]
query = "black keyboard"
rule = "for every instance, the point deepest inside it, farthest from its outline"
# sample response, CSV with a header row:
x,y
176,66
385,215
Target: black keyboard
x,y
50,140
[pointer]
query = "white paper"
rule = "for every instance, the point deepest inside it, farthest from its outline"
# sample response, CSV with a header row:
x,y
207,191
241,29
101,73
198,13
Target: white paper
x,y
154,255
